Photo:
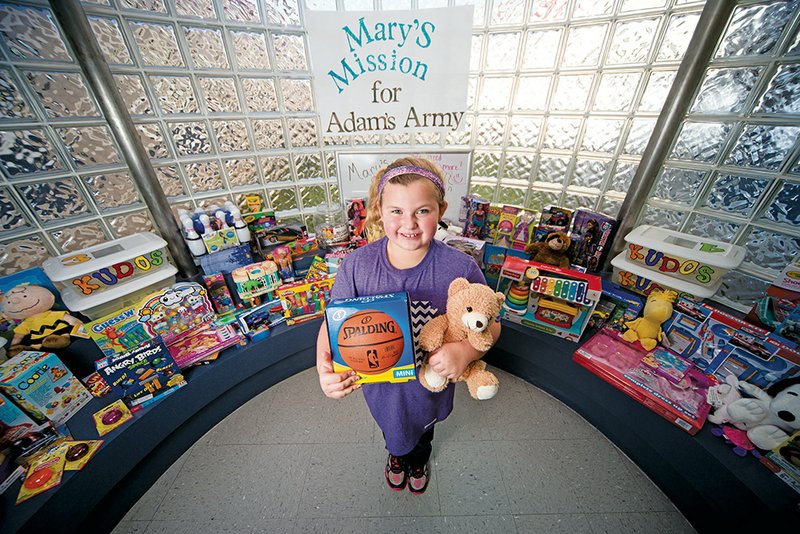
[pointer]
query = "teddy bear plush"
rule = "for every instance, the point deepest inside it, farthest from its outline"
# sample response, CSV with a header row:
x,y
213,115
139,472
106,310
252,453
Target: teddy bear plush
x,y
552,251
471,309
769,417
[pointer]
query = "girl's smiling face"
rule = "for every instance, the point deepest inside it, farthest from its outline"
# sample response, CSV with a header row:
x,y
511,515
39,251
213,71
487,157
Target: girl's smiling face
x,y
410,215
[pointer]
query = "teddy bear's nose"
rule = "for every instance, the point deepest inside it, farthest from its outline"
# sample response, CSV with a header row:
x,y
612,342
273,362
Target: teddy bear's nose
x,y
786,416
479,324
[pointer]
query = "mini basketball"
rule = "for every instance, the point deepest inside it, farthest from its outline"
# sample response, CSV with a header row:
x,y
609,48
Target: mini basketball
x,y
370,342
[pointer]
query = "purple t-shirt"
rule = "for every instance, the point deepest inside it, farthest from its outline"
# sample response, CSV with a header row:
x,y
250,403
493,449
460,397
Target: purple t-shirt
x,y
404,411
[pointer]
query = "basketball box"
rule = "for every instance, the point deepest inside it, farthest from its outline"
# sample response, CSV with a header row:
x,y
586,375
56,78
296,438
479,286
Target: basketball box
x,y
372,336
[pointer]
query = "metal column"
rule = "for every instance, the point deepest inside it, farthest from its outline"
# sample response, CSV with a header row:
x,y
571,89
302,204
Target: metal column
x,y
76,27
710,28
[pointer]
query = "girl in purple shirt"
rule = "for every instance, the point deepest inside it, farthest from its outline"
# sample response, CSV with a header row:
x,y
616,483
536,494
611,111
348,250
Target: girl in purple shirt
x,y
406,203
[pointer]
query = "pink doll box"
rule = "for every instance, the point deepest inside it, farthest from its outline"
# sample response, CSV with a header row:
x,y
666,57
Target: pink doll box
x,y
620,364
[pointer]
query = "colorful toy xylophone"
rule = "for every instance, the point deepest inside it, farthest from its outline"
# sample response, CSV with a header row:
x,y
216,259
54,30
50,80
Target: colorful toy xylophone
x,y
571,290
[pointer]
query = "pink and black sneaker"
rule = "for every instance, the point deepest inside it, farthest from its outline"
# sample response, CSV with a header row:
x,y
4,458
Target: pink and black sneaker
x,y
395,473
418,478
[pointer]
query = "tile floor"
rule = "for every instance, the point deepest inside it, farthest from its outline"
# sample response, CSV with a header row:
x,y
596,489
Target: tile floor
x,y
293,461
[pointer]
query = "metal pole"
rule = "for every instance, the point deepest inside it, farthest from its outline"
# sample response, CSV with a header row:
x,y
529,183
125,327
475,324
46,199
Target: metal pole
x,y
76,27
710,28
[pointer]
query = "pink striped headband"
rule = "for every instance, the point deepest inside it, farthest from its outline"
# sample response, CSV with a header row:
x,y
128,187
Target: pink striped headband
x,y
409,169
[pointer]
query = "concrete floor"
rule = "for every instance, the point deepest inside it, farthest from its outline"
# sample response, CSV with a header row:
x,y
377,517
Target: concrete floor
x,y
293,461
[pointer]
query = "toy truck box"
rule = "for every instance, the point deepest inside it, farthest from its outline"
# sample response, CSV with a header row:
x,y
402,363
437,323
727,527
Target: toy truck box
x,y
372,336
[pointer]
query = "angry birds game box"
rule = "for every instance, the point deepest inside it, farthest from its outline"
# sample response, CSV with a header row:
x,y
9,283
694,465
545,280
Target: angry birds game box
x,y
372,336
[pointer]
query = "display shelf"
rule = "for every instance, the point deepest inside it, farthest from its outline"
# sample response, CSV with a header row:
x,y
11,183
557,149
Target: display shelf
x,y
715,489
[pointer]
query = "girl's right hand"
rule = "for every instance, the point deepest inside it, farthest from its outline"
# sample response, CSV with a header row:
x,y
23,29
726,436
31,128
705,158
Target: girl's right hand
x,y
335,385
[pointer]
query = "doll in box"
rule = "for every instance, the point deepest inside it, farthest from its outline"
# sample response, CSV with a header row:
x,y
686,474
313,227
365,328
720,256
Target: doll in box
x,y
41,327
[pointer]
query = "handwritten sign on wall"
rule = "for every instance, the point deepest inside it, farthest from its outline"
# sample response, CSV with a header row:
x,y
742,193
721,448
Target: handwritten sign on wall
x,y
356,170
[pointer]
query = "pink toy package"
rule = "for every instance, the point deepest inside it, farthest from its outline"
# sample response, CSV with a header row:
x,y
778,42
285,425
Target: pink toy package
x,y
681,400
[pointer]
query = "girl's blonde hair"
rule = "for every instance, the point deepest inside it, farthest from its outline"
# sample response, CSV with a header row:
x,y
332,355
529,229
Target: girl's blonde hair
x,y
374,225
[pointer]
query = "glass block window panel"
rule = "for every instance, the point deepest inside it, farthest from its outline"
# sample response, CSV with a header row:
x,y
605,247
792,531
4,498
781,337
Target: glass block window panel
x,y
700,141
269,133
130,223
679,185
89,145
190,138
484,191
713,228
153,140
783,95
632,41
12,103
785,208
283,199
490,130
175,94
532,93
302,132
21,254
31,33
220,95
584,44
601,135
592,8
736,194
552,170
79,237
26,151
132,91
308,166
146,5
770,250
240,10
616,91
676,38
297,95
206,48
63,94
754,29
313,195
203,9
475,52
503,47
514,195
589,174
11,217
622,177
251,50
109,37
725,90
524,131
231,136
283,12
538,199
496,94
157,44
170,181
637,5
54,200
664,218
574,200
260,94
609,206
571,92
656,91
507,12
203,176
541,48
276,169
241,172
518,166
561,133
486,164
763,146
112,190
290,51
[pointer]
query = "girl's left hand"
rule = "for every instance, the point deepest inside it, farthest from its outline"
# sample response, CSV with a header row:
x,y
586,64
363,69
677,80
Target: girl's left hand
x,y
451,359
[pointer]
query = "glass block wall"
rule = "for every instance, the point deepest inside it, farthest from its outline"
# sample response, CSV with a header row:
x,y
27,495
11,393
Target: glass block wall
x,y
563,96
733,172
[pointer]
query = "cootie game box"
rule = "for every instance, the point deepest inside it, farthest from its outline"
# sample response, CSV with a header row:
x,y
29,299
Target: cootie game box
x,y
372,336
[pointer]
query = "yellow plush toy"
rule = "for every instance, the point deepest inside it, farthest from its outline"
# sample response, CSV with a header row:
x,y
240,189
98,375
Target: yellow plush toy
x,y
471,309
647,328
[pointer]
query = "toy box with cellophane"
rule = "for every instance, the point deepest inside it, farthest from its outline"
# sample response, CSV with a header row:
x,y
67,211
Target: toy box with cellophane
x,y
305,299
621,364
97,280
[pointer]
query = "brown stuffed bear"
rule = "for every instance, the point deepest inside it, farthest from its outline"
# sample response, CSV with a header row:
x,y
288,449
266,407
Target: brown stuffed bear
x,y
552,251
471,309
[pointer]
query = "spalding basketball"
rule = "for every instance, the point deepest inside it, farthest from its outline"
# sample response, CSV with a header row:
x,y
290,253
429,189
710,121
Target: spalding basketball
x,y
370,342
